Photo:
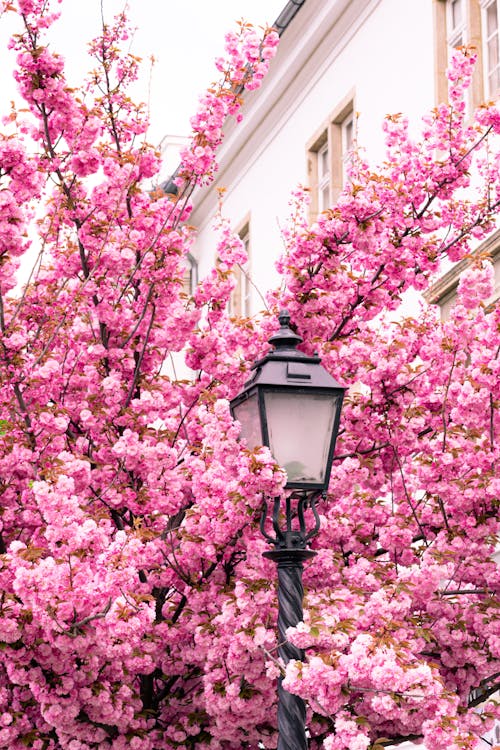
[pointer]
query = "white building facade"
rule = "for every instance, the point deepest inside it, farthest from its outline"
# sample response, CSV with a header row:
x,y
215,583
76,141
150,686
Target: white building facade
x,y
342,65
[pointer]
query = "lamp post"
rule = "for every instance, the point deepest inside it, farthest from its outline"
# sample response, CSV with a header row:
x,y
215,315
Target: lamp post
x,y
292,405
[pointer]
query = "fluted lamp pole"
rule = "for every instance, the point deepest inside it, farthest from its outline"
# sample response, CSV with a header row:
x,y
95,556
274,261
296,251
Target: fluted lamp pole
x,y
292,405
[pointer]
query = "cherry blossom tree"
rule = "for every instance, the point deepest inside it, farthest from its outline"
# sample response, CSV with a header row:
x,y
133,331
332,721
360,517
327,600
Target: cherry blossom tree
x,y
136,610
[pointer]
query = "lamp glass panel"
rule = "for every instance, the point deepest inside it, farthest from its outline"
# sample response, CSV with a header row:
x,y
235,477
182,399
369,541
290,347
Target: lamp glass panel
x,y
247,414
300,429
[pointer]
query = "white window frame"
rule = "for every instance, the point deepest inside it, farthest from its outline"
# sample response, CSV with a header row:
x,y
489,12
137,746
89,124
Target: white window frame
x,y
488,37
245,270
328,156
190,280
456,32
324,176
347,131
240,300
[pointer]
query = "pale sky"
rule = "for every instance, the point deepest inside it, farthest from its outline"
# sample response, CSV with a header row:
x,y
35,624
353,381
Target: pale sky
x,y
184,36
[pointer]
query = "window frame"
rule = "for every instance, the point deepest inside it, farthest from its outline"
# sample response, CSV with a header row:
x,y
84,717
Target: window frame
x,y
324,176
469,31
348,143
486,38
456,35
240,301
330,138
190,279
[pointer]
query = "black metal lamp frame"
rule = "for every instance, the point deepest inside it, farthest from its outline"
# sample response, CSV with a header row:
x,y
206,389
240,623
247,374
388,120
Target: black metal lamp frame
x,y
285,369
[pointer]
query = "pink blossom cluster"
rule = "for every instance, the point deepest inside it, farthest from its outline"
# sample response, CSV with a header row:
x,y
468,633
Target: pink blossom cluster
x,y
246,61
136,608
21,183
126,501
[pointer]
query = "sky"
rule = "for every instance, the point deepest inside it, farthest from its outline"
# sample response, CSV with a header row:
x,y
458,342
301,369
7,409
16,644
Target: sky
x,y
184,37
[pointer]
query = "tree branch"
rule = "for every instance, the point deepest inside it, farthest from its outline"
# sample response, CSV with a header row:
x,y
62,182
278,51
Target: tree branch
x,y
76,626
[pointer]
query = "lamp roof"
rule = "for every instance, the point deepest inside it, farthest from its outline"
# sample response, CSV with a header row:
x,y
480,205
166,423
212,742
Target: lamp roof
x,y
285,366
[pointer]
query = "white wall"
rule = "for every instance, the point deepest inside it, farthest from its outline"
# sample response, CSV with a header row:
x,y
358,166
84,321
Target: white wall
x,y
381,49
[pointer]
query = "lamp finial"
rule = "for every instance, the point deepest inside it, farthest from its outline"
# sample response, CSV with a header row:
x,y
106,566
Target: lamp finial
x,y
285,338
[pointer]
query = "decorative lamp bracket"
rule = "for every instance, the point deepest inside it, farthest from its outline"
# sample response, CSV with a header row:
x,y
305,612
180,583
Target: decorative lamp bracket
x,y
287,538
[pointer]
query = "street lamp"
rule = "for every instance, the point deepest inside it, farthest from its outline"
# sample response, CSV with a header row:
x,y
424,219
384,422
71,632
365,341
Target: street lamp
x,y
292,405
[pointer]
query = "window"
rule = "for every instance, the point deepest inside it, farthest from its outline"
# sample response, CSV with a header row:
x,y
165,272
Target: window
x,y
324,177
468,22
347,134
456,23
491,47
239,303
190,278
328,157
